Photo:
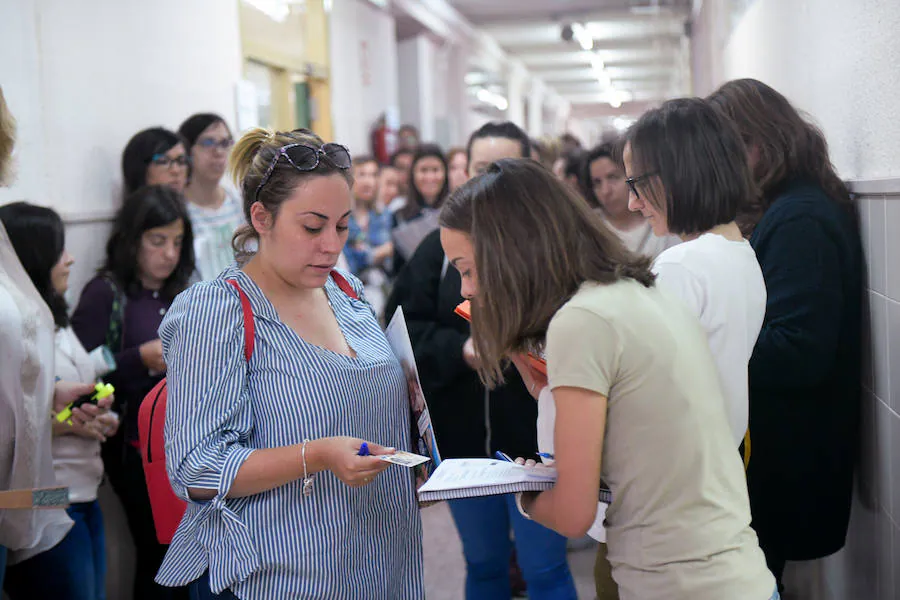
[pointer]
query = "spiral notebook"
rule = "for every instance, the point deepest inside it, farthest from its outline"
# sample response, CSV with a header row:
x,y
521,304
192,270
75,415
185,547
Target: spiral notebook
x,y
471,477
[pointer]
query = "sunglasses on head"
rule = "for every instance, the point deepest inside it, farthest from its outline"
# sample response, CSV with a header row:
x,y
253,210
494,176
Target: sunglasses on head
x,y
304,157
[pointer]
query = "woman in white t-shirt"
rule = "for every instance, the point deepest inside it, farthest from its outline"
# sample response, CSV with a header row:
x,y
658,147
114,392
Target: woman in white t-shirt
x,y
688,176
634,384
215,209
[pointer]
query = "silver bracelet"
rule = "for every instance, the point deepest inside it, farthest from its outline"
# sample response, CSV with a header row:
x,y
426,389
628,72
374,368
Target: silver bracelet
x,y
307,478
520,507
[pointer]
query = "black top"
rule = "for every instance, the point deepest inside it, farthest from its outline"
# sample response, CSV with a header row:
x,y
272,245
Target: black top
x,y
461,409
805,374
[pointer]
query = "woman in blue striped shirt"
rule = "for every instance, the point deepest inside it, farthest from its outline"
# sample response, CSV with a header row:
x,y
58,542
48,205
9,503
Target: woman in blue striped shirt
x,y
265,450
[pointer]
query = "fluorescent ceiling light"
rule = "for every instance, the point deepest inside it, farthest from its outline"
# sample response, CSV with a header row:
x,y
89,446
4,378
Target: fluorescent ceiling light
x,y
621,123
617,97
492,98
582,36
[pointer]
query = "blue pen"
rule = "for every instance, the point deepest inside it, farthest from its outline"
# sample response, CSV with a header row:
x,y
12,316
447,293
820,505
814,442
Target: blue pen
x,y
363,450
503,456
545,455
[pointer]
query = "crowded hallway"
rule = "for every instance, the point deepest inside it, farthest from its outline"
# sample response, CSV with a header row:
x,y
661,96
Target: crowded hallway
x,y
271,269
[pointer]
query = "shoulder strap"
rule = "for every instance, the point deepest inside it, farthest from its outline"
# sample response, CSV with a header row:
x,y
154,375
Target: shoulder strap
x,y
344,285
115,330
249,328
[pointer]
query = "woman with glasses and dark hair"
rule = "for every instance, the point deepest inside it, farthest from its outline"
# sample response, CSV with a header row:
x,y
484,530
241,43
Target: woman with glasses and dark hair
x,y
149,259
689,176
635,390
429,185
155,156
78,562
215,209
805,370
282,499
467,417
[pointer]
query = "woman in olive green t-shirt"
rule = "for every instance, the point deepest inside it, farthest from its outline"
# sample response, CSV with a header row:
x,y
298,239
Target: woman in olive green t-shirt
x,y
633,382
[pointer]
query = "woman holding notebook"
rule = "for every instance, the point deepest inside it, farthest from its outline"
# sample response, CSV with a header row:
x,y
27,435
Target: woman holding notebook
x,y
467,417
635,386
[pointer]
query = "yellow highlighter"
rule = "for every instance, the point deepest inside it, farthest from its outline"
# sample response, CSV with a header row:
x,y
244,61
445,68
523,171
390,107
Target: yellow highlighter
x,y
101,391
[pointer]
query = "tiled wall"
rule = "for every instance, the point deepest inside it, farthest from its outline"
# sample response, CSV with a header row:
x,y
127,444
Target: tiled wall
x,y
869,565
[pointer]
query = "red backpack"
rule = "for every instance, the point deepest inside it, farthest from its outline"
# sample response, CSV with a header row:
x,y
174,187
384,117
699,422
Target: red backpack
x,y
168,509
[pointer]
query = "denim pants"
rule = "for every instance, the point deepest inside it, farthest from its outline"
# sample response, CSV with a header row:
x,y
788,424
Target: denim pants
x,y
74,569
2,565
484,526
199,590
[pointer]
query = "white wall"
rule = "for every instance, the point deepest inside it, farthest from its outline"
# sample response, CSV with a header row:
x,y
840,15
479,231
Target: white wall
x,y
835,59
363,45
417,66
83,77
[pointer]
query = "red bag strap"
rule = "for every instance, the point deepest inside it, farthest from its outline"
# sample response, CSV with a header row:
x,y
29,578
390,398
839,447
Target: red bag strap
x,y
344,285
249,329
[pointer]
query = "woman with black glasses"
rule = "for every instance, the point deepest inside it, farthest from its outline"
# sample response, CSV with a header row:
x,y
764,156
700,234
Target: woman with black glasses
x,y
265,443
155,156
215,209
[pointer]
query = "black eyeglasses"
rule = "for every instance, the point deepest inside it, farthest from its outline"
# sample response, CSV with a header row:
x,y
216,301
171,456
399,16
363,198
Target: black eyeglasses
x,y
211,143
306,158
161,160
634,181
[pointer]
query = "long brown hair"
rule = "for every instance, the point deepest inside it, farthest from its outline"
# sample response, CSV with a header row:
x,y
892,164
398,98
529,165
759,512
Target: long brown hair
x,y
790,146
535,242
252,157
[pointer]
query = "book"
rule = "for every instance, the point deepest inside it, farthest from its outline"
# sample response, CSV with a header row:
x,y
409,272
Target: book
x,y
464,310
424,442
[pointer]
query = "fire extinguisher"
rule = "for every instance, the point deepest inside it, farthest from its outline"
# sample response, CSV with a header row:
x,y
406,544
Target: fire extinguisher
x,y
384,141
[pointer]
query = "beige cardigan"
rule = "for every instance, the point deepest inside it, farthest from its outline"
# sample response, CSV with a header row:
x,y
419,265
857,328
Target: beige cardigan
x,y
26,393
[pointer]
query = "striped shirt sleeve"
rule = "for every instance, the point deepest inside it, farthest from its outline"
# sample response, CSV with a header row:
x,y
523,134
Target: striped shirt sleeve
x,y
208,417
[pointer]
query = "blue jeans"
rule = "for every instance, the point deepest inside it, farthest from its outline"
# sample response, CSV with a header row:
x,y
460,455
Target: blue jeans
x,y
484,524
74,569
199,590
2,565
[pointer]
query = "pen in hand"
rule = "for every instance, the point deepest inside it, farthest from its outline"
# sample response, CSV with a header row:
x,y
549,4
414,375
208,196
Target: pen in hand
x,y
363,450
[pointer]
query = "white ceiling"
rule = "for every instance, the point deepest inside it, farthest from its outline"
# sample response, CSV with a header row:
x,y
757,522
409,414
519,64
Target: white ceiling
x,y
642,44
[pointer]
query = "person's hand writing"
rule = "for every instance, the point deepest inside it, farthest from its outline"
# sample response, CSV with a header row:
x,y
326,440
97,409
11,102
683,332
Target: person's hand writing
x,y
469,355
343,460
152,355
534,380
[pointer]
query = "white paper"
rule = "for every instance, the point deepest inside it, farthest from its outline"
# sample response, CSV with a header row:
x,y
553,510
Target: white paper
x,y
404,459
